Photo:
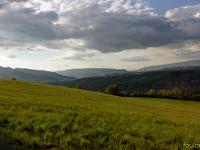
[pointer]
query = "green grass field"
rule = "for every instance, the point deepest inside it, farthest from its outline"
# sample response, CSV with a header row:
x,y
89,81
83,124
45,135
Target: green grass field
x,y
42,117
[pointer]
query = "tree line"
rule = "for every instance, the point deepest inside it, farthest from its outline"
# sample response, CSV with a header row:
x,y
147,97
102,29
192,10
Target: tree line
x,y
172,93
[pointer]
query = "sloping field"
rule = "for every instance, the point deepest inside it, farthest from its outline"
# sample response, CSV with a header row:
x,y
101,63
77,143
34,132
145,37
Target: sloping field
x,y
50,117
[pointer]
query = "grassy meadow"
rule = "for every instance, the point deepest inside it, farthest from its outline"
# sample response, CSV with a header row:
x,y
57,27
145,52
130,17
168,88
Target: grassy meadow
x,y
37,116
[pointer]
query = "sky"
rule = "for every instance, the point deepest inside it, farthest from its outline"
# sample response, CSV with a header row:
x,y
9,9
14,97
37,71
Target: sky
x,y
130,34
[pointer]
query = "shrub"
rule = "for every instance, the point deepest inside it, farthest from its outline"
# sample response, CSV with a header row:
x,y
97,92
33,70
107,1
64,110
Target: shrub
x,y
78,86
113,90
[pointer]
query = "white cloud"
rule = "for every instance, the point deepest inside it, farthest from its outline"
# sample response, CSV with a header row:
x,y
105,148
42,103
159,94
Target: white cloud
x,y
183,13
74,55
197,15
136,59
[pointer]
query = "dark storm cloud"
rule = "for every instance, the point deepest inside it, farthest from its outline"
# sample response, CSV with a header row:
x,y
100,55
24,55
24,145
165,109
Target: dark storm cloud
x,y
105,26
115,31
29,27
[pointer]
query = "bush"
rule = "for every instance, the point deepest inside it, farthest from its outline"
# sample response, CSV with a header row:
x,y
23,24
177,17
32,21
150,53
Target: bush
x,y
78,86
113,90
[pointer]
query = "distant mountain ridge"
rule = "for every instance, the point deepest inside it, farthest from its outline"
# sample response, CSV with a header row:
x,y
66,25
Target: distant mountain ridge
x,y
62,77
32,75
174,66
91,72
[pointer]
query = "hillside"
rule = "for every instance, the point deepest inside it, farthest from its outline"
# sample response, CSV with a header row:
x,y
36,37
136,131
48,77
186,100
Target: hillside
x,y
91,72
32,75
45,117
188,81
141,81
186,64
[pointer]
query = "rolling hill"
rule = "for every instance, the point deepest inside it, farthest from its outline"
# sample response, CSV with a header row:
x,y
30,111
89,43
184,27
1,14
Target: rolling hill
x,y
91,72
186,80
32,75
181,65
140,81
50,117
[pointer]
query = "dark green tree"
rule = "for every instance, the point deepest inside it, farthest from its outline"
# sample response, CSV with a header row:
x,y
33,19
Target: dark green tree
x,y
78,86
113,90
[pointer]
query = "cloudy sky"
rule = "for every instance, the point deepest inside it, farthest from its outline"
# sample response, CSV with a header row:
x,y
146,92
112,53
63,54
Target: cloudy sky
x,y
63,34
